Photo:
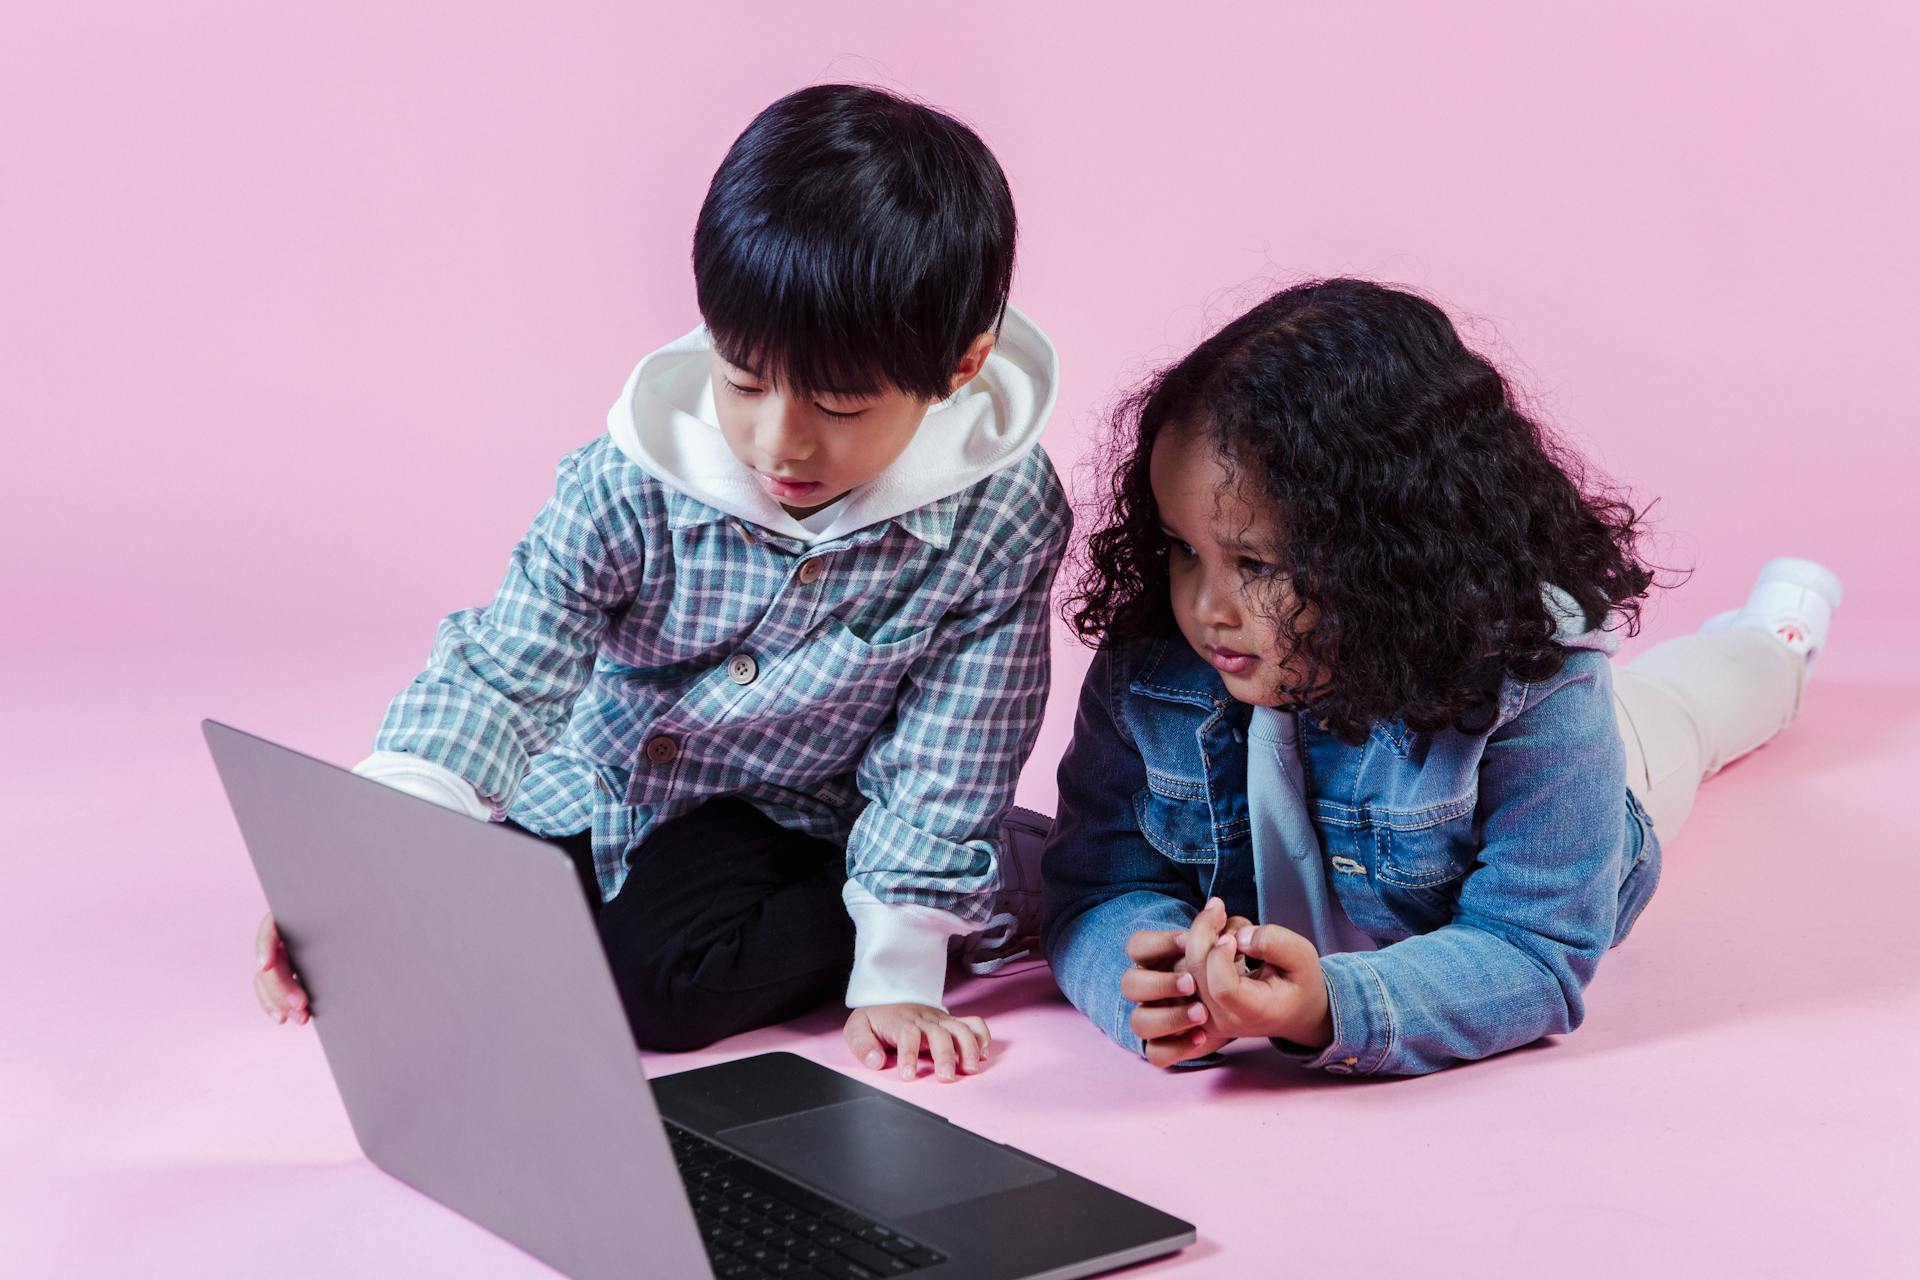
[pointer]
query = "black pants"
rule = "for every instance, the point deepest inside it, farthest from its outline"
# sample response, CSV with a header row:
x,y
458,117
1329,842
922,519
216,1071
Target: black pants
x,y
727,921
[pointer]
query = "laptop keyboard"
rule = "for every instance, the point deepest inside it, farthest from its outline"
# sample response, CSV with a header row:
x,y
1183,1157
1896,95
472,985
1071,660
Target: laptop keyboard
x,y
758,1224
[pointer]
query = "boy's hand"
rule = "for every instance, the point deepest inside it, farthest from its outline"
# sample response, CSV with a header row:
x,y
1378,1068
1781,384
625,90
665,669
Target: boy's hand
x,y
907,1027
279,992
1172,1019
1284,997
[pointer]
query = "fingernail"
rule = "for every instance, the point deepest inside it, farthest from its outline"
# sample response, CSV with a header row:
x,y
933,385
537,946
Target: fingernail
x,y
1196,1013
946,1073
1184,984
1246,936
1179,939
876,1059
1199,1037
1226,940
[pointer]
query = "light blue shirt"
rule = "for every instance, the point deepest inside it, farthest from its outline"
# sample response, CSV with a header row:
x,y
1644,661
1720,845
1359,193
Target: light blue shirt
x,y
1289,866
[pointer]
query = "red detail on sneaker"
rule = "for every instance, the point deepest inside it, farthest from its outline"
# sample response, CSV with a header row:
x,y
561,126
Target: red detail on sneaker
x,y
1790,633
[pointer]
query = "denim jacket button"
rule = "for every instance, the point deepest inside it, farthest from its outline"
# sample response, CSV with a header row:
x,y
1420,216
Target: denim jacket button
x,y
1344,1067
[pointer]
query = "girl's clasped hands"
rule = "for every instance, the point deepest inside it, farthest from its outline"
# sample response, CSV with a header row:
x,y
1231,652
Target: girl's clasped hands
x,y
1222,978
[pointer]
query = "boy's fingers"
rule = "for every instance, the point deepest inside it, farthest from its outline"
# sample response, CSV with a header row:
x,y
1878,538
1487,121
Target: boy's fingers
x,y
263,992
1154,948
865,1045
979,1028
908,1047
965,1041
280,994
940,1045
1142,985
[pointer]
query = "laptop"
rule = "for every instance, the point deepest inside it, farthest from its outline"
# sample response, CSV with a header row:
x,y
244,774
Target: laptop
x,y
471,1023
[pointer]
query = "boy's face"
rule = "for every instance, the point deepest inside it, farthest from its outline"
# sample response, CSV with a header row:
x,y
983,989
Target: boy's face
x,y
809,453
1226,589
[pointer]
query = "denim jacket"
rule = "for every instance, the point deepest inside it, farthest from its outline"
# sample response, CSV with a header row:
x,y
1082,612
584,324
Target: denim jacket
x,y
1494,869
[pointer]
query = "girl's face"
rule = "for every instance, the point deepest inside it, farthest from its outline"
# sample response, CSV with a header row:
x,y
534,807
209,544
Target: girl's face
x,y
1226,587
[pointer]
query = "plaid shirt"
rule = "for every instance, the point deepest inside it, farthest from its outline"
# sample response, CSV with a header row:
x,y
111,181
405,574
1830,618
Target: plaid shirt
x,y
648,652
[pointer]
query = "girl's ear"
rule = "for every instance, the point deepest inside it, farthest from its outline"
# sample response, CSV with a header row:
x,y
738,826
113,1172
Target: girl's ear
x,y
971,362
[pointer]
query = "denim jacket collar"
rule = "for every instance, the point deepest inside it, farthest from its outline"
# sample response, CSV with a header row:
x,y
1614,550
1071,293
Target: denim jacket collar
x,y
1170,671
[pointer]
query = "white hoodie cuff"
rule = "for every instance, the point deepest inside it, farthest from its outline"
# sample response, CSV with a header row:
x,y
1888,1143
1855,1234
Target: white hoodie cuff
x,y
421,777
899,950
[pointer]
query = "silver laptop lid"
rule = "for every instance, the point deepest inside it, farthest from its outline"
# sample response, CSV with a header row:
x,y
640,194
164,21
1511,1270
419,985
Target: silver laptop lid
x,y
465,1007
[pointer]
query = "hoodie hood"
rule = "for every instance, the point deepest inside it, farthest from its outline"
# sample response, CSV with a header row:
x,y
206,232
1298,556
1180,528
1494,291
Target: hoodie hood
x,y
665,422
1574,633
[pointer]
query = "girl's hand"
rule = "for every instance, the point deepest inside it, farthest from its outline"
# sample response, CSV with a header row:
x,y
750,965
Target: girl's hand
x,y
1171,1021
1285,997
907,1027
279,992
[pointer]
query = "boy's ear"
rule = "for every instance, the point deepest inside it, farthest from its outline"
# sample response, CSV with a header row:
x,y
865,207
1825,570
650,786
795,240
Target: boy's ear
x,y
971,362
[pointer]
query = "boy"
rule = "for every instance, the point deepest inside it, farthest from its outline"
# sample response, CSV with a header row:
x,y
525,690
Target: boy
x,y
769,661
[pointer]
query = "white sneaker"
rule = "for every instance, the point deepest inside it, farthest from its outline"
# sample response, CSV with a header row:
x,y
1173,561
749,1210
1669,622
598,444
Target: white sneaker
x,y
1793,600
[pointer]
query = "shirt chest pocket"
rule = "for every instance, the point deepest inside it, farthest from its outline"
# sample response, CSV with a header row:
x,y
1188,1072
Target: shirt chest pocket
x,y
1396,871
834,683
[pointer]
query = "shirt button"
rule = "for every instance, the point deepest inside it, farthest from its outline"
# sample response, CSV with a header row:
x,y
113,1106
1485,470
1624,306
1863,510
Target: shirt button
x,y
662,750
810,571
742,669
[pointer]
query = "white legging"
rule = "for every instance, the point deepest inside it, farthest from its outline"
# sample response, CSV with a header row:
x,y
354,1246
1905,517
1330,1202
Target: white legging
x,y
1690,707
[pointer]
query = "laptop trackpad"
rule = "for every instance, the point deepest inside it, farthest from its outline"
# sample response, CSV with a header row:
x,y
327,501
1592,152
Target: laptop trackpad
x,y
885,1157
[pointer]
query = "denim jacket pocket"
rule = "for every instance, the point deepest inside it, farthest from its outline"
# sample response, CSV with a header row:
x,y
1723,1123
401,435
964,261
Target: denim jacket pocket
x,y
1352,847
1424,847
1176,819
1393,870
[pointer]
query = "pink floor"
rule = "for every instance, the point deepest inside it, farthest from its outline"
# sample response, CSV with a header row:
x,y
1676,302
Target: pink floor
x,y
1740,1103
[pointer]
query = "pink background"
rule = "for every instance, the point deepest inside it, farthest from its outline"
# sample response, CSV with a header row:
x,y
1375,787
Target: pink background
x,y
298,306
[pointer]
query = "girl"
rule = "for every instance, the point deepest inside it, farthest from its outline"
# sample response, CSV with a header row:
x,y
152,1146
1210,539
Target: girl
x,y
1354,611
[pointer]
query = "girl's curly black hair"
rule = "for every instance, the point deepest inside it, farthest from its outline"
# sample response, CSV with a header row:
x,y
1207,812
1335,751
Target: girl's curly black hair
x,y
1422,512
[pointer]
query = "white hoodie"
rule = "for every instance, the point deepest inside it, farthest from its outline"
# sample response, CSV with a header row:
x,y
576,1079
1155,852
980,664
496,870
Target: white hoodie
x,y
665,421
